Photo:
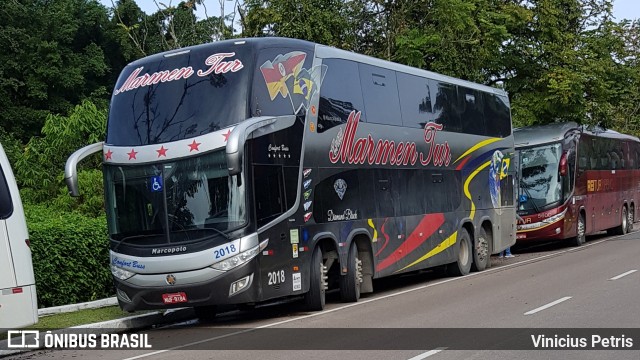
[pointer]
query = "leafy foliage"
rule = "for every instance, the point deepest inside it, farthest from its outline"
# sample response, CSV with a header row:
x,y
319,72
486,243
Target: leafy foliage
x,y
40,168
70,256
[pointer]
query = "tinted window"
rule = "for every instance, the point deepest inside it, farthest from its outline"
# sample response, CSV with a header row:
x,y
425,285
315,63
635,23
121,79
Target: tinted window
x,y
172,98
380,92
445,110
276,94
6,205
340,94
416,100
269,192
497,116
471,104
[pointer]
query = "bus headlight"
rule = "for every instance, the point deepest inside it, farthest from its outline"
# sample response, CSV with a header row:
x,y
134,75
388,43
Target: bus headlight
x,y
237,260
121,273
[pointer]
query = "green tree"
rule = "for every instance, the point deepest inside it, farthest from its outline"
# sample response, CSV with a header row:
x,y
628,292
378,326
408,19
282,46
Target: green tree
x,y
52,59
40,169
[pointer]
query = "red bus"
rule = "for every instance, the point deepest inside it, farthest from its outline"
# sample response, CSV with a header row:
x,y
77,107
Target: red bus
x,y
575,181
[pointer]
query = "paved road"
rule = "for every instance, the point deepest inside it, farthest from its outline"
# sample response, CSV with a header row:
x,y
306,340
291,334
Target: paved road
x,y
546,286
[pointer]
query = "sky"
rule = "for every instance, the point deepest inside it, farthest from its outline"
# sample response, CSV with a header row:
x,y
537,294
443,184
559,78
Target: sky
x,y
622,9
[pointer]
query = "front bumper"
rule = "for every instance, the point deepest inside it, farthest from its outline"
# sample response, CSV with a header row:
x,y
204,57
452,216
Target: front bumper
x,y
212,291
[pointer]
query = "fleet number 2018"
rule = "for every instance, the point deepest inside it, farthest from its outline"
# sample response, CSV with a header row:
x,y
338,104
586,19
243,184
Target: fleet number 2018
x,y
276,277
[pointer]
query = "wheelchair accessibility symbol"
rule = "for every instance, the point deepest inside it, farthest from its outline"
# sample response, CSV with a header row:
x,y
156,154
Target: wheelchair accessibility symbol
x,y
156,183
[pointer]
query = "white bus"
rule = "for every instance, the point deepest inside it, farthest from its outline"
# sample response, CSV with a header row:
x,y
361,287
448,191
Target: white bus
x,y
18,305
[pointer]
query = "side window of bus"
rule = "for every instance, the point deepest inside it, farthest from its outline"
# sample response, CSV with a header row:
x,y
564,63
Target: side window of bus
x,y
445,111
340,94
6,206
380,93
496,115
269,192
472,107
416,100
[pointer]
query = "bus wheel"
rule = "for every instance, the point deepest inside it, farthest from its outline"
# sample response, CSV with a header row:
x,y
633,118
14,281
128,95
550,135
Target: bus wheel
x,y
350,283
630,217
581,230
314,299
481,252
622,228
206,314
463,265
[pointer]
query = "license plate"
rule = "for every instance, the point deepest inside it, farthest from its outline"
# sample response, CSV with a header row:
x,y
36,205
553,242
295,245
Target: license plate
x,y
174,298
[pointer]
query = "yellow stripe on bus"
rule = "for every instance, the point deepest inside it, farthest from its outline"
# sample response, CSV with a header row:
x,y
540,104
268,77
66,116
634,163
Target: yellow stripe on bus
x,y
476,147
466,187
438,249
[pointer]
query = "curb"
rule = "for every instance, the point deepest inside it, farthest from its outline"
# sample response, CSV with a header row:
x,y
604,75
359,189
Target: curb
x,y
112,301
137,322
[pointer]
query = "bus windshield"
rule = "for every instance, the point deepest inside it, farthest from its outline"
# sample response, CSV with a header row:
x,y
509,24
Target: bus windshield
x,y
183,200
169,98
540,183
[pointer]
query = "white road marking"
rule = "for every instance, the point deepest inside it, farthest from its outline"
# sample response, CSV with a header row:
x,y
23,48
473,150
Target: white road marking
x,y
427,354
623,275
359,303
548,305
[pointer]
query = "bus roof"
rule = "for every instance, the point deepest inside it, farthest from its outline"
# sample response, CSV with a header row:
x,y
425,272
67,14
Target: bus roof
x,y
323,51
544,134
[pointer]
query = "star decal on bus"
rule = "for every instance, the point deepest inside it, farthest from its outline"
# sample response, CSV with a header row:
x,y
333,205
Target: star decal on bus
x,y
226,135
162,151
132,154
108,154
194,146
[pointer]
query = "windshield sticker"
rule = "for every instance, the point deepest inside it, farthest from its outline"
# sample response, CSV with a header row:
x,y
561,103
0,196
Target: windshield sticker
x,y
345,148
156,183
214,65
278,72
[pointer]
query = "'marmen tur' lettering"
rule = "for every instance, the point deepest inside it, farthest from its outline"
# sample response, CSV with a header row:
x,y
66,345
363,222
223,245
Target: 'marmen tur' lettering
x,y
214,62
345,148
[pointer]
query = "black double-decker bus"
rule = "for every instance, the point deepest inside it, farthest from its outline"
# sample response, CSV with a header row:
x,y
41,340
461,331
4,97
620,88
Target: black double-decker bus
x,y
243,171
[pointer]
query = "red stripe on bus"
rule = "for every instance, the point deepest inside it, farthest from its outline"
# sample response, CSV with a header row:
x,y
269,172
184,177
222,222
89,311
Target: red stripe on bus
x,y
427,226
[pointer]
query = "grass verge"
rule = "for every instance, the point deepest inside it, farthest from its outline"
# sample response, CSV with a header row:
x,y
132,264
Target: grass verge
x,y
82,317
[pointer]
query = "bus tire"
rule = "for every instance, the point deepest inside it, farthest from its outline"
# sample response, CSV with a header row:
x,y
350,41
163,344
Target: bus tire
x,y
622,228
462,266
481,252
206,314
350,283
630,218
314,299
580,231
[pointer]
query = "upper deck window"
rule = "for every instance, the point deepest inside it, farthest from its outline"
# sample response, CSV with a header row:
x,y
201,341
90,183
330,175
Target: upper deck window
x,y
380,92
177,97
340,94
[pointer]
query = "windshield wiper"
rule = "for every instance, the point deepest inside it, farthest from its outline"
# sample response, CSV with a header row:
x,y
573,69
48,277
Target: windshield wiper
x,y
523,186
133,237
219,232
